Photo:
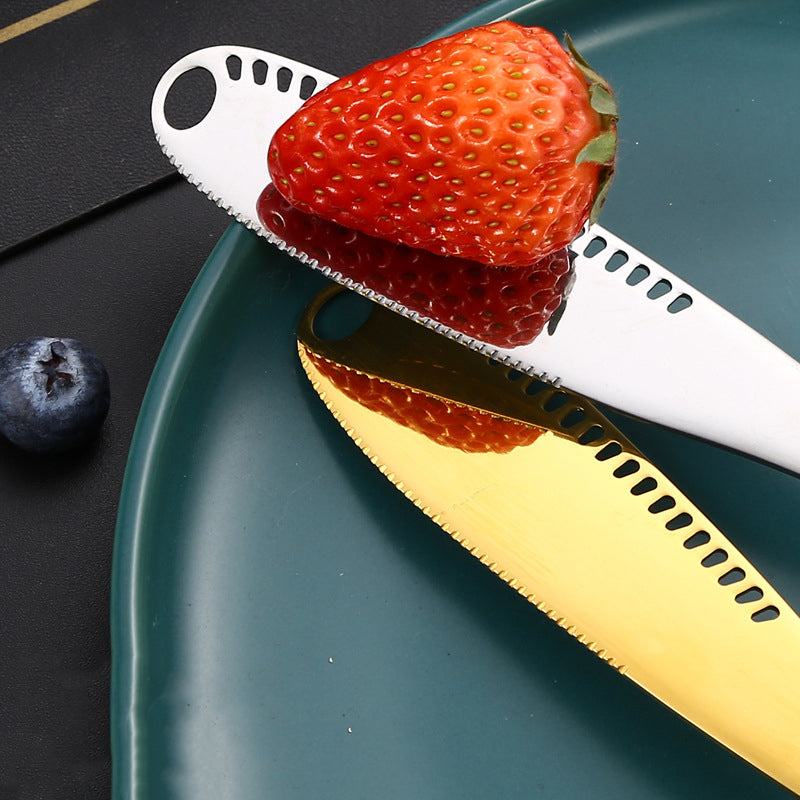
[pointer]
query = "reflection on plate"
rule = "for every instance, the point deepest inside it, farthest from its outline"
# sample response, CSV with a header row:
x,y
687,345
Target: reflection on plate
x,y
286,624
505,307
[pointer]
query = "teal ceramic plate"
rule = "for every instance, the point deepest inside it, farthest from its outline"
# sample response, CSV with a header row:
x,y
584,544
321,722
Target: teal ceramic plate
x,y
287,625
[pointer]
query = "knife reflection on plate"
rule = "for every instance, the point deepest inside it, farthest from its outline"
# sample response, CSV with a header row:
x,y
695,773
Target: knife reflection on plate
x,y
541,488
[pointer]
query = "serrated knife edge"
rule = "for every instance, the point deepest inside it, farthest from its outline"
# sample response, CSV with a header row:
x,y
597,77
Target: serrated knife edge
x,y
689,641
540,603
331,273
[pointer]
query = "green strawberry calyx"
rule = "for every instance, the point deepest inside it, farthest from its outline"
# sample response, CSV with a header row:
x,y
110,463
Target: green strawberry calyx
x,y
603,148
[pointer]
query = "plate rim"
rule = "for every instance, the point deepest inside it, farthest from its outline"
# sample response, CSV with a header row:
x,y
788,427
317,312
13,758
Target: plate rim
x,y
152,422
154,413
127,741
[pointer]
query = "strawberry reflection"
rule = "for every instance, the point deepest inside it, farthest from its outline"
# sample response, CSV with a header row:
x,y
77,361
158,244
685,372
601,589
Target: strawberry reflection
x,y
443,421
502,306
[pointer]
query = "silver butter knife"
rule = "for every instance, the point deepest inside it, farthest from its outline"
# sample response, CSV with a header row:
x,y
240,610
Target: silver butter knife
x,y
632,336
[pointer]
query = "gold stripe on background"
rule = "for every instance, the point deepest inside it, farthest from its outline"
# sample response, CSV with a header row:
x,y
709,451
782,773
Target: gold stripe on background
x,y
42,18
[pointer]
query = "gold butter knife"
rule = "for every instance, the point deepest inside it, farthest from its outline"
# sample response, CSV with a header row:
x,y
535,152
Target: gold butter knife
x,y
537,484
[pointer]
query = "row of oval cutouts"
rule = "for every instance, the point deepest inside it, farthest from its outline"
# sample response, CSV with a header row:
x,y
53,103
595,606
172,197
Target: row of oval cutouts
x,y
637,275
260,69
572,415
697,539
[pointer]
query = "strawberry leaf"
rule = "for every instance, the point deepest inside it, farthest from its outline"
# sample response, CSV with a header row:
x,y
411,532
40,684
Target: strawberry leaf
x,y
602,100
600,150
583,65
601,95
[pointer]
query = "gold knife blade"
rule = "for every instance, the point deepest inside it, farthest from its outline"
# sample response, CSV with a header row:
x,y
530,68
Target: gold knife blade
x,y
559,504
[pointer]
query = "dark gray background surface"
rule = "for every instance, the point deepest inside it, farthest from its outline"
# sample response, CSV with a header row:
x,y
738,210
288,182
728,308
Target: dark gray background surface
x,y
99,241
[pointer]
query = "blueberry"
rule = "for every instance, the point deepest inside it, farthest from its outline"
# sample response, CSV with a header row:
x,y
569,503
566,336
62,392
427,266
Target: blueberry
x,y
54,394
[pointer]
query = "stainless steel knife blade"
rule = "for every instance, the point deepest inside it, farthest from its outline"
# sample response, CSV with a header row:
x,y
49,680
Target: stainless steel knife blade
x,y
539,486
633,335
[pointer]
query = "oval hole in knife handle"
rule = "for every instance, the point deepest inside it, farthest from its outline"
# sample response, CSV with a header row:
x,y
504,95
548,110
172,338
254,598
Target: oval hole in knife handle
x,y
189,98
342,316
225,153
651,598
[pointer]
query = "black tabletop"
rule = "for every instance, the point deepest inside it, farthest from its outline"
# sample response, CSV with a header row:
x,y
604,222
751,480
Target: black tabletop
x,y
99,240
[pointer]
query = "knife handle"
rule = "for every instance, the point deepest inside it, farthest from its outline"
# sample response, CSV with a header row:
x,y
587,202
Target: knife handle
x,y
588,530
255,92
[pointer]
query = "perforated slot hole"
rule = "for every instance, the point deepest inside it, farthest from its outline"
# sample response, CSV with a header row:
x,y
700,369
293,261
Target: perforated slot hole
x,y
664,503
715,558
644,486
609,451
697,539
593,434
617,260
534,387
596,246
659,289
765,614
638,274
259,72
750,595
682,520
626,469
556,401
234,66
307,87
284,79
573,417
732,576
680,303
515,375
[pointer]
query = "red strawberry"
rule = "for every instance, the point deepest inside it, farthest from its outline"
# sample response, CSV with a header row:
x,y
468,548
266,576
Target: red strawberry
x,y
493,144
444,421
501,306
